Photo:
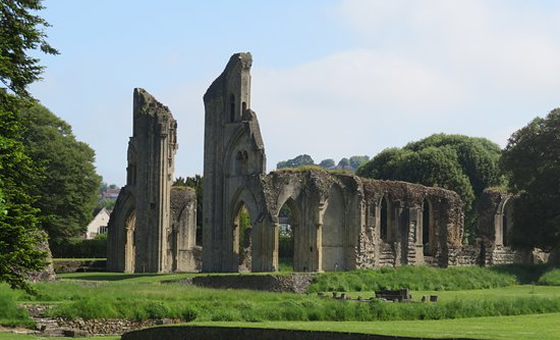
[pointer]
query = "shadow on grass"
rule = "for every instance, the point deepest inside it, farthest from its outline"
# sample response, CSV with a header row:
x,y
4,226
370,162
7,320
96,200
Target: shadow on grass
x,y
105,276
524,273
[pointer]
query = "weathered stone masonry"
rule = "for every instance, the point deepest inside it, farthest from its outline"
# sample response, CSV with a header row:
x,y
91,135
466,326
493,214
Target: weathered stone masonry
x,y
341,222
144,235
338,221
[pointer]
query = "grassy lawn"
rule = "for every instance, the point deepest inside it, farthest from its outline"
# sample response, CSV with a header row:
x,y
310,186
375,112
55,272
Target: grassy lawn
x,y
477,294
530,309
525,327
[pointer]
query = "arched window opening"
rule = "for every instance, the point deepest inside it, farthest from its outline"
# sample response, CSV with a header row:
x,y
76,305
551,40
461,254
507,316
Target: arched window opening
x,y
232,108
428,229
242,229
241,163
286,230
384,220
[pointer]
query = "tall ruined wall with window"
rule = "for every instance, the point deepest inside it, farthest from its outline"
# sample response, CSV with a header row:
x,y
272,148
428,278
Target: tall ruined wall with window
x,y
141,236
234,162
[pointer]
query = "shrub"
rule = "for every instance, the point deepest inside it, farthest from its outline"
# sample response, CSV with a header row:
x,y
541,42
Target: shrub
x,y
551,278
156,310
80,248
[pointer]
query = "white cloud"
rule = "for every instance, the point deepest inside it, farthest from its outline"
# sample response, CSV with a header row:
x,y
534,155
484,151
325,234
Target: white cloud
x,y
473,67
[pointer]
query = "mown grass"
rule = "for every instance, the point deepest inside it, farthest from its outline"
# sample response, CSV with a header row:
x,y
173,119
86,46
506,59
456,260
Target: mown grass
x,y
15,336
526,327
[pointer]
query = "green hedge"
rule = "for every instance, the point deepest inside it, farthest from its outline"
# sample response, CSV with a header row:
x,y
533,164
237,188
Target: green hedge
x,y
80,248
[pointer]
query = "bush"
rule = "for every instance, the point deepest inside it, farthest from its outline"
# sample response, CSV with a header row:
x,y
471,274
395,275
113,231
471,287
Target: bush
x,y
189,314
551,278
156,310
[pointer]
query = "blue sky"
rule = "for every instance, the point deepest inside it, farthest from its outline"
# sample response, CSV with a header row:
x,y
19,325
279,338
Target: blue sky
x,y
330,78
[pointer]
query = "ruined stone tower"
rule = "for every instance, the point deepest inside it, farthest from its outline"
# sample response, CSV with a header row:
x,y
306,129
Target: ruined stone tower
x,y
234,161
140,223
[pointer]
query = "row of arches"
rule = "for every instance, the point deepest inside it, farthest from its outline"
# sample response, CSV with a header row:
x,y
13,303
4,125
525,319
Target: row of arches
x,y
293,246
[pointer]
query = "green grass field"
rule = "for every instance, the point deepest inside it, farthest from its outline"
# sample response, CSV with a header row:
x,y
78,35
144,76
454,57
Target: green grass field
x,y
458,312
526,327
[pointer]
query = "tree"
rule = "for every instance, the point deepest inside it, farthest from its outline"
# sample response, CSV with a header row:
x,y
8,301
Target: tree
x,y
356,161
19,234
300,160
327,163
463,164
531,163
68,191
20,32
344,163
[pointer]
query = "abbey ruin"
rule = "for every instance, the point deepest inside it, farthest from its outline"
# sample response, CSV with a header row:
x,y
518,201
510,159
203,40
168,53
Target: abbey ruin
x,y
338,221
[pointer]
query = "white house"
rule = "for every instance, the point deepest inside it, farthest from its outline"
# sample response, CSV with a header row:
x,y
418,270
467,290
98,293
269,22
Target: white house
x,y
99,224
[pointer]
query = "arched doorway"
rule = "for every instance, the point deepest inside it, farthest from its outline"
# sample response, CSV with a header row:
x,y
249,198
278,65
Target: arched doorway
x,y
241,239
428,229
130,243
288,220
333,232
507,222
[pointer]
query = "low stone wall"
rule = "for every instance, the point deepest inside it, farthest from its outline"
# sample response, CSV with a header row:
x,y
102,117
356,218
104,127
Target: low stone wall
x,y
227,333
73,266
291,283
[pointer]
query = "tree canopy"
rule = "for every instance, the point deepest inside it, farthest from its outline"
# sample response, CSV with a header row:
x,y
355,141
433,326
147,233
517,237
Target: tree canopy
x,y
21,31
295,162
466,165
19,235
327,163
531,161
67,191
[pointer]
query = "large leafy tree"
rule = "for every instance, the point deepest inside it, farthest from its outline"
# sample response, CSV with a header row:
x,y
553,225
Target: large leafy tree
x,y
21,31
67,193
531,161
19,235
463,164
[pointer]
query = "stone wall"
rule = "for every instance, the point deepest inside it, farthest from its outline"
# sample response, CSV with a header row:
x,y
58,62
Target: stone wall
x,y
73,266
291,283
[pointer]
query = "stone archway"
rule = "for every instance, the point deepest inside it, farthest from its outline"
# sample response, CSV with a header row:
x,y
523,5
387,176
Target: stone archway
x,y
505,222
130,243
